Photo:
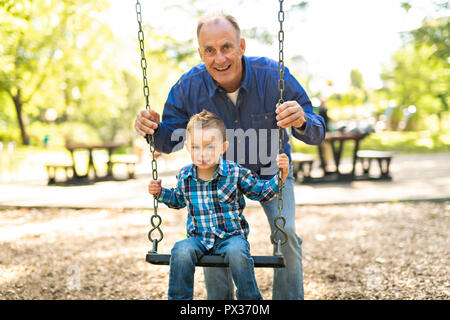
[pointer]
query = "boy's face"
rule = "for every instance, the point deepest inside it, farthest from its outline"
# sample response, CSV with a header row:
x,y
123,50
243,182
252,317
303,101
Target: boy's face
x,y
206,146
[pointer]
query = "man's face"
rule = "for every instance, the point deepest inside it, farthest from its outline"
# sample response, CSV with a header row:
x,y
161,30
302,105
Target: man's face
x,y
221,51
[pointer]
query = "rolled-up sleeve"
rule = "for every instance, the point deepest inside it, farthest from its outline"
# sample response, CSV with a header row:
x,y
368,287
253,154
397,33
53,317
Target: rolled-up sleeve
x,y
314,132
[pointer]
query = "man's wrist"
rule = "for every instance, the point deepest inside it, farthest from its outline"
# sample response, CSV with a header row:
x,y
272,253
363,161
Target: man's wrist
x,y
148,135
302,127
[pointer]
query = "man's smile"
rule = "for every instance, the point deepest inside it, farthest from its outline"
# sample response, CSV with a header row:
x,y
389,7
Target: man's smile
x,y
223,69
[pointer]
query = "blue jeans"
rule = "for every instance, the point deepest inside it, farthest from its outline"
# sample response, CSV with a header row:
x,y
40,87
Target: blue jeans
x,y
288,281
235,250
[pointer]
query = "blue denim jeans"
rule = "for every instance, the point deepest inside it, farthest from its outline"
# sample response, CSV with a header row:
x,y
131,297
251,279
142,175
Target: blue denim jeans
x,y
288,281
235,250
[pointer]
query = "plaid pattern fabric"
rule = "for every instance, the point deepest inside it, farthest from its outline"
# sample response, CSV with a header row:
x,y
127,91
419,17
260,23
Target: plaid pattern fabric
x,y
215,206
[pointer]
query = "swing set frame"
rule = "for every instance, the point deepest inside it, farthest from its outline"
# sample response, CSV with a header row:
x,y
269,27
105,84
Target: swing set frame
x,y
275,261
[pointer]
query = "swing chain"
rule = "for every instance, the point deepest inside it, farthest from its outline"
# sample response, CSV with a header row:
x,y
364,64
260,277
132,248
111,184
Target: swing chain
x,y
155,219
281,53
280,221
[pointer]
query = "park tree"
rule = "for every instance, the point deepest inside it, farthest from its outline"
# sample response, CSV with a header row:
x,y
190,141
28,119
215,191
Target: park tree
x,y
27,52
58,54
419,74
356,96
356,79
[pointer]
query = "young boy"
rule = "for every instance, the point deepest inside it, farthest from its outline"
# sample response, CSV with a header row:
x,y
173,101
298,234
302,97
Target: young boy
x,y
212,188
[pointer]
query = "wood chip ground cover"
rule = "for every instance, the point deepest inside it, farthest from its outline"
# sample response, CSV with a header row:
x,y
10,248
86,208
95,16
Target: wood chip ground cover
x,y
362,251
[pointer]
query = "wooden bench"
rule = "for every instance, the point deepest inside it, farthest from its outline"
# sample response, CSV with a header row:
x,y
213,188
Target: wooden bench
x,y
52,168
302,163
365,157
130,163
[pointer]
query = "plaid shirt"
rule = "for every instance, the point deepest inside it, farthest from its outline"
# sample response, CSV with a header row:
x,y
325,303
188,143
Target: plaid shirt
x,y
215,206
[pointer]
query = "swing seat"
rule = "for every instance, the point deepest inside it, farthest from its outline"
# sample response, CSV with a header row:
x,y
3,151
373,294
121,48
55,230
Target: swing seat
x,y
218,261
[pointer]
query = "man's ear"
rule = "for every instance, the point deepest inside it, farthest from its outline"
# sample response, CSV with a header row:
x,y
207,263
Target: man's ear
x,y
243,46
200,53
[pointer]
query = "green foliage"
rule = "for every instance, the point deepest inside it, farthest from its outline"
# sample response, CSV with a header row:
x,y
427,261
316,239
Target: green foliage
x,y
419,74
7,134
262,35
59,55
408,141
355,97
59,135
417,80
300,5
434,33
49,58
8,131
406,6
356,79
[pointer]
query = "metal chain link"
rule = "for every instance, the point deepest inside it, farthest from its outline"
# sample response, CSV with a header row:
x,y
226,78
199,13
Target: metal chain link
x,y
280,221
155,219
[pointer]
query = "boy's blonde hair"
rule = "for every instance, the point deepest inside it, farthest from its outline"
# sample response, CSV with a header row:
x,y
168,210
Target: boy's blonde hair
x,y
206,120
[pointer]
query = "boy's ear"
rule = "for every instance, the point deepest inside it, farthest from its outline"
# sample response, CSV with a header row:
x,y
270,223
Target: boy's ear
x,y
225,146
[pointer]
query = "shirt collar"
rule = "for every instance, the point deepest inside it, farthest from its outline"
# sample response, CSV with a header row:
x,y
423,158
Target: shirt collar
x,y
222,169
212,85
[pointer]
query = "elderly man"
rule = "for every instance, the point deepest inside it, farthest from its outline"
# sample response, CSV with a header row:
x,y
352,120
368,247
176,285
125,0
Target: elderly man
x,y
243,92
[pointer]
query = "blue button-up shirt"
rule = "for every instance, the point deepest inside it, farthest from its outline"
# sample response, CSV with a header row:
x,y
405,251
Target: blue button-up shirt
x,y
215,206
251,124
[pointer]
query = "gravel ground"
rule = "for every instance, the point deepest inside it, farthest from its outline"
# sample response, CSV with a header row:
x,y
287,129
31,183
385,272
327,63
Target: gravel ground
x,y
363,251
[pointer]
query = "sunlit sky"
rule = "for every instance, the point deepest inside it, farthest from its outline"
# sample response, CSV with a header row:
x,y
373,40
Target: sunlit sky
x,y
332,36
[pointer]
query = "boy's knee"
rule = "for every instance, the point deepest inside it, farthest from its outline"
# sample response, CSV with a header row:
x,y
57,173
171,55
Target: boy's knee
x,y
184,251
238,252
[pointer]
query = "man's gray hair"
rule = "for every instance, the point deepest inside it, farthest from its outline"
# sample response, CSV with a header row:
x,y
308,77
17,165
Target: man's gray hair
x,y
213,17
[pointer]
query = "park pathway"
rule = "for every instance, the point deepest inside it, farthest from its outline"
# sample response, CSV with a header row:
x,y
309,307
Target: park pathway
x,y
415,177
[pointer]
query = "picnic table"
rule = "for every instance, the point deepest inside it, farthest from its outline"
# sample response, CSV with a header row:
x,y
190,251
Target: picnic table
x,y
72,173
110,147
336,141
302,163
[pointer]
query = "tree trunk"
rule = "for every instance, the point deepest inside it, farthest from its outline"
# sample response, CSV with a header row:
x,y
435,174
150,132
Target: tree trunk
x,y
445,108
19,104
